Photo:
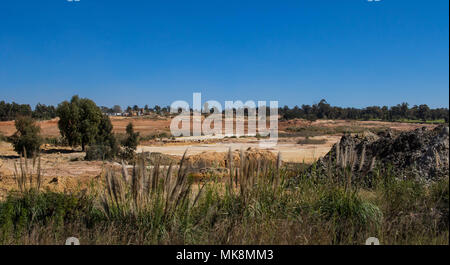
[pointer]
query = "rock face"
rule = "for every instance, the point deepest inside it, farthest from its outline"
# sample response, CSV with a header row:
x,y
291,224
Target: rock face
x,y
420,153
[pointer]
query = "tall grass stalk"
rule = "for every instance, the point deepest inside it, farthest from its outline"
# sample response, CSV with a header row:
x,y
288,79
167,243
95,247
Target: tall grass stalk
x,y
24,173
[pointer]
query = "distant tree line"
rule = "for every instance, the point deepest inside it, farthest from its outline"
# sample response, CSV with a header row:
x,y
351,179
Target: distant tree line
x,y
321,110
136,109
10,111
44,112
402,111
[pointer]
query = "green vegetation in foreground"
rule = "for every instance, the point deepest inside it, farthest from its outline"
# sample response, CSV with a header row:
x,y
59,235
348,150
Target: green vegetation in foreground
x,y
146,208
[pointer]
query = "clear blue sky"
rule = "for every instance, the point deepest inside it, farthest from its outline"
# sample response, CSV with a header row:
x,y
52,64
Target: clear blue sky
x,y
350,52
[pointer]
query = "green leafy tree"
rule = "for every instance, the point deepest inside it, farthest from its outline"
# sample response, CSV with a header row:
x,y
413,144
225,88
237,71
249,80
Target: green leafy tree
x,y
79,121
69,119
157,109
423,112
27,138
44,112
129,110
91,117
117,109
106,137
9,111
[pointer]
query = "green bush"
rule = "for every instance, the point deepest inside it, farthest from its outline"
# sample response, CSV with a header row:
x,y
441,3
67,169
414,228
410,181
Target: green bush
x,y
27,137
159,205
19,214
155,136
130,142
99,152
106,146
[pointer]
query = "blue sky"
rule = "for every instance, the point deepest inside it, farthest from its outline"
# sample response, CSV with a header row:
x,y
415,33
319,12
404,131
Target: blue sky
x,y
350,52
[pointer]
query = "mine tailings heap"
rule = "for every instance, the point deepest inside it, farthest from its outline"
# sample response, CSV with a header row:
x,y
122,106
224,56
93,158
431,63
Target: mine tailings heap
x,y
422,154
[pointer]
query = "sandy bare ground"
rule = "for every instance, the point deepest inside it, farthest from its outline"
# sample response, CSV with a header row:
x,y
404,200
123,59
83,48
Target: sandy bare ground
x,y
61,169
290,151
49,128
64,169
145,126
148,126
400,126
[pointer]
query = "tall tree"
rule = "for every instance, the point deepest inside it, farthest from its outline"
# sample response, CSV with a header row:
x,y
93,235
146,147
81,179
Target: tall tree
x,y
117,109
423,112
79,121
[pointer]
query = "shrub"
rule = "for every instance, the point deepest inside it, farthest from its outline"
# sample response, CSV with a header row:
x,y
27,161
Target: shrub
x,y
106,146
27,137
98,152
308,140
155,136
131,142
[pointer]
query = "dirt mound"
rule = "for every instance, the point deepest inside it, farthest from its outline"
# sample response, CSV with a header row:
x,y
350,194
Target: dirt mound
x,y
4,171
219,160
422,153
154,158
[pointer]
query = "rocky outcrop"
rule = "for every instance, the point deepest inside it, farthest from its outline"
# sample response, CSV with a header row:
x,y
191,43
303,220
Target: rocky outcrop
x,y
421,153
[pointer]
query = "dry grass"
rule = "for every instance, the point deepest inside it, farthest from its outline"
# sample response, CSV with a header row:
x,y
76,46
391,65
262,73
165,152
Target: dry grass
x,y
147,190
254,203
28,177
310,141
311,131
